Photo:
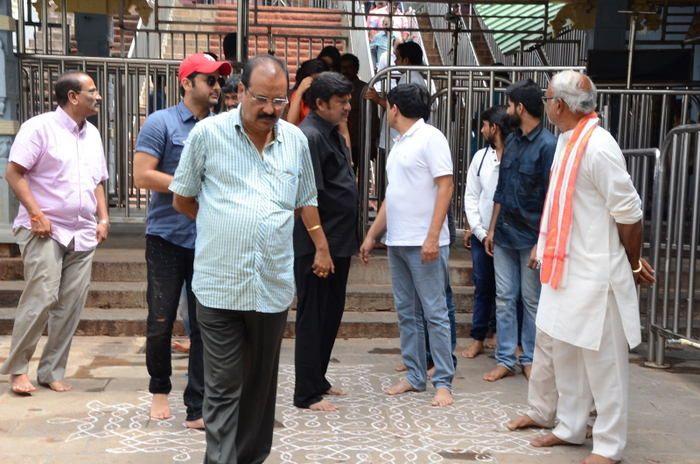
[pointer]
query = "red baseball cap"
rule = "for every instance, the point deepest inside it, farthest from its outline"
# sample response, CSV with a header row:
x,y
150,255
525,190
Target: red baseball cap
x,y
202,63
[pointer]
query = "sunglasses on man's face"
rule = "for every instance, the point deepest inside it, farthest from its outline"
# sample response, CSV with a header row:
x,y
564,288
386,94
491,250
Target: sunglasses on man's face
x,y
212,80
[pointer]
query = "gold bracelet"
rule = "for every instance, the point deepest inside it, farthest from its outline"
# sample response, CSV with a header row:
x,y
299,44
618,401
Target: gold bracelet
x,y
311,229
639,268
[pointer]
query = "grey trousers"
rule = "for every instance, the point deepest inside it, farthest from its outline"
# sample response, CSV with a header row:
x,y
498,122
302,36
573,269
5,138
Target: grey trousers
x,y
56,286
241,360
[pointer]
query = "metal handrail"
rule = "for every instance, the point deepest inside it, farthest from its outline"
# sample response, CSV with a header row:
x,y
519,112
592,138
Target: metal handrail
x,y
450,113
676,202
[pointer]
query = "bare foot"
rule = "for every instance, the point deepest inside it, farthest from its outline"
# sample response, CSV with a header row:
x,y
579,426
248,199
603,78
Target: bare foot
x,y
497,373
195,424
545,441
160,409
490,343
442,398
181,347
58,386
402,386
21,385
324,406
431,372
526,371
597,459
400,367
522,422
334,391
473,350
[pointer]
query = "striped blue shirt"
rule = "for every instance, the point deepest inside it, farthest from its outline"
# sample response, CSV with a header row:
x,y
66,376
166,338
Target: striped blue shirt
x,y
244,256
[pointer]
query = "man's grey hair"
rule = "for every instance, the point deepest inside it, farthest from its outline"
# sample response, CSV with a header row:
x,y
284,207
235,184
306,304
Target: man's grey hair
x,y
576,90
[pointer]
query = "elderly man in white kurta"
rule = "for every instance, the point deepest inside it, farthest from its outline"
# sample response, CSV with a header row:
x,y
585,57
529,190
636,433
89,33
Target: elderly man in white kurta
x,y
589,248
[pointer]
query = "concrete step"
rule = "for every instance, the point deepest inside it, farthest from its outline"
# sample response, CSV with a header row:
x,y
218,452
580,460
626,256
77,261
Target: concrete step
x,y
118,295
132,322
129,265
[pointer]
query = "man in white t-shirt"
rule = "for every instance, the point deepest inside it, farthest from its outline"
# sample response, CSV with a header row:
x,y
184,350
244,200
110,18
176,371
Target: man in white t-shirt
x,y
407,54
413,214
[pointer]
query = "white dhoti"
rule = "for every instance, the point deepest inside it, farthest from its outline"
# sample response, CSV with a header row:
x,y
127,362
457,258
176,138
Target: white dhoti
x,y
600,377
541,388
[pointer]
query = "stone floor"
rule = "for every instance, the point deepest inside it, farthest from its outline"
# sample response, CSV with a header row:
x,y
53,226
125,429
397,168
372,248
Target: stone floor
x,y
105,419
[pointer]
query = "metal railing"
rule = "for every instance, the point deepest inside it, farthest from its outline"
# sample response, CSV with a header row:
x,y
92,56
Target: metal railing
x,y
637,118
130,90
496,53
460,94
182,43
672,311
455,47
567,49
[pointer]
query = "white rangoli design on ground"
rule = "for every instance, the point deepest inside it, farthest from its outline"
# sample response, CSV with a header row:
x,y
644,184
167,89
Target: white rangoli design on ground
x,y
370,427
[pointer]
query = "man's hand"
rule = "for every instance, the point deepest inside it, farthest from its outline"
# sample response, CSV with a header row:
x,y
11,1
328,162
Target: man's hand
x,y
366,249
430,250
305,84
323,264
488,244
534,263
467,239
41,226
372,95
646,275
102,231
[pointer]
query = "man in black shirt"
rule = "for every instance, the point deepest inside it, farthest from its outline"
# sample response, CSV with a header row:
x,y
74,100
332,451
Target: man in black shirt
x,y
321,298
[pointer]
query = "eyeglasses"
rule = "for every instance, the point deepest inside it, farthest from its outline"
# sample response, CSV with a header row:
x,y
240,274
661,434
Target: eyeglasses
x,y
278,102
90,91
544,99
210,80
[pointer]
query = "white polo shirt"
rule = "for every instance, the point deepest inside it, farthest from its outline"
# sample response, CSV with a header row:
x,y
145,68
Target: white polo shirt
x,y
416,159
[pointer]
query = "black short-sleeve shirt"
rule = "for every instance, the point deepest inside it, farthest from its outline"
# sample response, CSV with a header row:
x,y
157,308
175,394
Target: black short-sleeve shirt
x,y
337,190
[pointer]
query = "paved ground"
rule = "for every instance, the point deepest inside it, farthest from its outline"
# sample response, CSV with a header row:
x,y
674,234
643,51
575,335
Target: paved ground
x,y
105,419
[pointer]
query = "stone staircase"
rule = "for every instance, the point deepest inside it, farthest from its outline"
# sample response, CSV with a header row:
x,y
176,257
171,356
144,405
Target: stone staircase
x,y
203,29
431,50
116,302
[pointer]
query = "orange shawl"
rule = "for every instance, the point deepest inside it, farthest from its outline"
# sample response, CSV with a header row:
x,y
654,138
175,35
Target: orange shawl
x,y
557,216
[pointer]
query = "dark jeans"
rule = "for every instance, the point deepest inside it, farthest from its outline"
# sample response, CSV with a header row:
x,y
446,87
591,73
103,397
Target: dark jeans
x,y
484,311
241,360
320,305
168,267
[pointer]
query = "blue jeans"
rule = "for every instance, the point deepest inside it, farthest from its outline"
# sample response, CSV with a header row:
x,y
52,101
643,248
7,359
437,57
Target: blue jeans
x,y
513,277
419,293
484,311
449,299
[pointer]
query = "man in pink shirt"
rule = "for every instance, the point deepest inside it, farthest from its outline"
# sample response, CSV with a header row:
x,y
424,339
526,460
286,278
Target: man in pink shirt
x,y
56,169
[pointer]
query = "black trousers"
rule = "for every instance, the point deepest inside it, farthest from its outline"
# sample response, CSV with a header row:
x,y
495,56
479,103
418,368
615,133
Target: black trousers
x,y
241,359
320,305
169,267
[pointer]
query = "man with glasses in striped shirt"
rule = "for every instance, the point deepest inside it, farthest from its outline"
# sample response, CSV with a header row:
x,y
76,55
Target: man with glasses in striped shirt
x,y
170,236
242,176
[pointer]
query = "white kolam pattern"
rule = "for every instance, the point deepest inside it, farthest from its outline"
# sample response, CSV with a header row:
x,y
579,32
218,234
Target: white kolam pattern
x,y
370,427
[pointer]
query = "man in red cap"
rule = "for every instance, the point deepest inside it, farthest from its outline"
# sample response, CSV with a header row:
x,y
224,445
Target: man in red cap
x,y
170,236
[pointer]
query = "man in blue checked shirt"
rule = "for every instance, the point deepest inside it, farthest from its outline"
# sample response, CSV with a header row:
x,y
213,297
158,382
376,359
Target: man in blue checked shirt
x,y
242,175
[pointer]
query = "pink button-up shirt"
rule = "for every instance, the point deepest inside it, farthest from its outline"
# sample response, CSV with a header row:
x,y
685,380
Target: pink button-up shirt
x,y
64,165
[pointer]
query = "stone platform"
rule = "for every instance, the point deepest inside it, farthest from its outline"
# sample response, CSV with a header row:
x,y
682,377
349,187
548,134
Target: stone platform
x,y
105,419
